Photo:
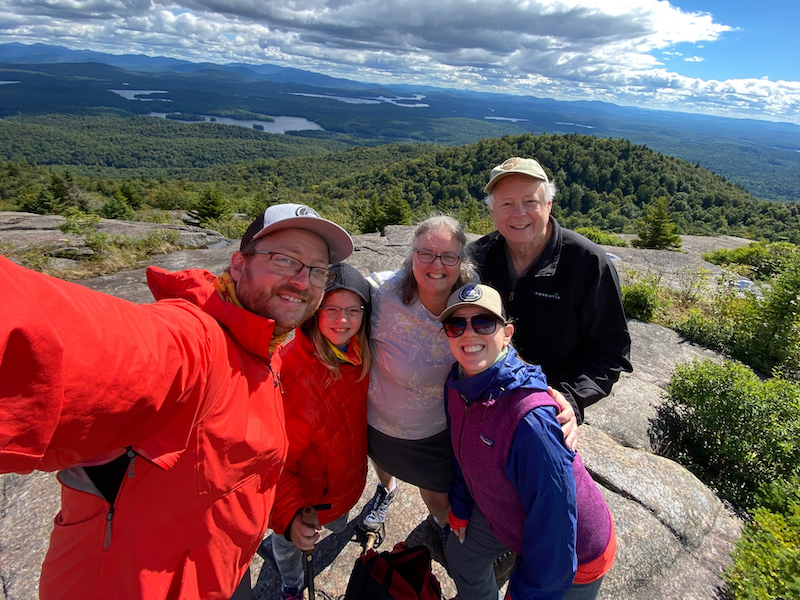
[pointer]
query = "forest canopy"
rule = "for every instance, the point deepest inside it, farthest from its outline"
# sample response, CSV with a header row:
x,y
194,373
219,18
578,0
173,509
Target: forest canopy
x,y
602,182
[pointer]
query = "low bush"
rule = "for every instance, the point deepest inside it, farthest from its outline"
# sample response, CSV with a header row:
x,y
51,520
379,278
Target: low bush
x,y
731,429
640,300
231,227
766,561
760,260
601,237
761,332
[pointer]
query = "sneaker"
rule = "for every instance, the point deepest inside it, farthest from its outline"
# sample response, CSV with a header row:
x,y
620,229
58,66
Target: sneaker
x,y
377,507
442,531
291,594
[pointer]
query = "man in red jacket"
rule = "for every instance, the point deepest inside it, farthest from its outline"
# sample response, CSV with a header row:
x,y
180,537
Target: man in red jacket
x,y
165,420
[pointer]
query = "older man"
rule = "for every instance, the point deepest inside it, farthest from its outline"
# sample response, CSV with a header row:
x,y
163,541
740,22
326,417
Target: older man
x,y
165,420
560,288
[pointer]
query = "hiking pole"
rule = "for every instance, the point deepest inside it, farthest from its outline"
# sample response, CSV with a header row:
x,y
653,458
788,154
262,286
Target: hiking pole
x,y
309,517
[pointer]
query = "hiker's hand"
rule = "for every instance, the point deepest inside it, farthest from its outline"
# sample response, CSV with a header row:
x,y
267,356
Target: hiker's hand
x,y
566,418
304,536
458,526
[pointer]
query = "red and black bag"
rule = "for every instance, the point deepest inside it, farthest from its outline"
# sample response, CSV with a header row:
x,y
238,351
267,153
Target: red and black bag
x,y
402,574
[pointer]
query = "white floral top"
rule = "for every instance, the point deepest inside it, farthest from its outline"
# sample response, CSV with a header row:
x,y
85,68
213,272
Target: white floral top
x,y
411,360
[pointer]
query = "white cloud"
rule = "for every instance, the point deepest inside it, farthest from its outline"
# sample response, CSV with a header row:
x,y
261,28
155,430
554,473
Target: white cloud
x,y
595,49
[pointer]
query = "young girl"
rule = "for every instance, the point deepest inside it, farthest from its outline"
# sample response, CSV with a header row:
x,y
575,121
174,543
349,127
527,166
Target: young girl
x,y
324,374
515,484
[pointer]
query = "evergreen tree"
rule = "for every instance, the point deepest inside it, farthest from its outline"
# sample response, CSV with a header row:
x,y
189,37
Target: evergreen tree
x,y
116,207
396,209
657,230
369,214
212,205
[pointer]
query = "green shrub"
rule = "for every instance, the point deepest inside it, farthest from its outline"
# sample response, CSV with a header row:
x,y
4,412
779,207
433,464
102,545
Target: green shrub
x,y
640,300
232,228
761,260
766,561
78,222
733,430
601,237
761,332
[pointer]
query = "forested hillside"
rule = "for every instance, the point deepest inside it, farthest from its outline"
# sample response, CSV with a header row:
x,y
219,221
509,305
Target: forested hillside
x,y
603,183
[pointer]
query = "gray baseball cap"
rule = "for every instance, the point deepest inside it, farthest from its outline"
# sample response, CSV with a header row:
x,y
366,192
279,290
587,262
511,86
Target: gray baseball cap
x,y
348,278
299,216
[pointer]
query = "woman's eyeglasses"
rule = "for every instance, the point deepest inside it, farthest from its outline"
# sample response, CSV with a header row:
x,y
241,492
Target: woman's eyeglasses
x,y
427,257
482,324
332,312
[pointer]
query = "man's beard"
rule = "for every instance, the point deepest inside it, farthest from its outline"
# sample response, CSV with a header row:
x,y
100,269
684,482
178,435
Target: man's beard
x,y
261,302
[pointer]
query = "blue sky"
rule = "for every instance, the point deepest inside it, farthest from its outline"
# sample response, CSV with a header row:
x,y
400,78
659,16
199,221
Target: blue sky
x,y
729,58
765,42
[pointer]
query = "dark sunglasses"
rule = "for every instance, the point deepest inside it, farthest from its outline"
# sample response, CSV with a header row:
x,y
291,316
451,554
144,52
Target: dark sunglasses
x,y
481,324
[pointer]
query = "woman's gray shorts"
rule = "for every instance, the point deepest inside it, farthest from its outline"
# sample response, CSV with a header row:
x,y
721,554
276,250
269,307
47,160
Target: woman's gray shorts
x,y
426,463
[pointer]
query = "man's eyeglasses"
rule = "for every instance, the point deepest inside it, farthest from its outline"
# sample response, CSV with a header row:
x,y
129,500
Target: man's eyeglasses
x,y
288,266
332,312
427,257
482,324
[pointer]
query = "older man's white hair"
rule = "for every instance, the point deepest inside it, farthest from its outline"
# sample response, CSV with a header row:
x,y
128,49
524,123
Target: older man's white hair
x,y
549,193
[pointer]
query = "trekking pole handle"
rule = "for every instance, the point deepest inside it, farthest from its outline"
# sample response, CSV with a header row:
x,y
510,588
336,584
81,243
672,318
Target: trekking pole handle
x,y
309,515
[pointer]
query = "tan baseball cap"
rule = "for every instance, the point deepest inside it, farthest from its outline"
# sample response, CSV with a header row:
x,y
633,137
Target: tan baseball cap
x,y
523,166
299,216
475,294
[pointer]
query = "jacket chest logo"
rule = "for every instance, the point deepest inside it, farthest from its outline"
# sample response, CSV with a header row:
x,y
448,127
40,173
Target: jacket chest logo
x,y
553,296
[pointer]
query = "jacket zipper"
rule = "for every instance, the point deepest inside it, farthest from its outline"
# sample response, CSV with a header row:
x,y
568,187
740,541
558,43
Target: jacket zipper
x,y
463,423
132,456
110,515
276,379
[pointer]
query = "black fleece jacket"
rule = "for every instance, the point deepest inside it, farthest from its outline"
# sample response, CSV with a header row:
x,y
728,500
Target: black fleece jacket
x,y
567,311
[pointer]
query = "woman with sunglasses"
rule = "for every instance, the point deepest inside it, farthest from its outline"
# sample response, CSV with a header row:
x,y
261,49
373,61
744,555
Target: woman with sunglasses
x,y
324,375
407,432
516,485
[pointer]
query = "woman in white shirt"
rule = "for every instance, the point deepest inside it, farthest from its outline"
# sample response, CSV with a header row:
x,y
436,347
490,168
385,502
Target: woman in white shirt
x,y
407,430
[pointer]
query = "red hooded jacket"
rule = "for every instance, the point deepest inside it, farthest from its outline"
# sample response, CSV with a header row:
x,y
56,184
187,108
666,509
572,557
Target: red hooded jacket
x,y
184,386
326,422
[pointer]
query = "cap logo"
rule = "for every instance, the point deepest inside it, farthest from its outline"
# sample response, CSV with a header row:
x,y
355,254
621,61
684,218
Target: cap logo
x,y
470,293
305,211
509,164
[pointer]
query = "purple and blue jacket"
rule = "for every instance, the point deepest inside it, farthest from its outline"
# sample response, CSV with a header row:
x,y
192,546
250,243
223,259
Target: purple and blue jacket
x,y
511,460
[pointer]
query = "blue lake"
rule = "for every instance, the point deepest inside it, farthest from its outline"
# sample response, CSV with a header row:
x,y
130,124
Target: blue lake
x,y
279,125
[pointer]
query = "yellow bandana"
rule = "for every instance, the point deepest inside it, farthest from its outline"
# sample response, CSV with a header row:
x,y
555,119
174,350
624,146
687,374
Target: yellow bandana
x,y
226,288
353,351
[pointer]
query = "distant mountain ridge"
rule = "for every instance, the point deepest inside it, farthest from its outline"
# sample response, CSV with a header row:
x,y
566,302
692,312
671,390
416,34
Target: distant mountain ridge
x,y
45,54
762,157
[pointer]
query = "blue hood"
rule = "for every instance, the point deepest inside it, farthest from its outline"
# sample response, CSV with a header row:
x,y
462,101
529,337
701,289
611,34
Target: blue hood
x,y
509,373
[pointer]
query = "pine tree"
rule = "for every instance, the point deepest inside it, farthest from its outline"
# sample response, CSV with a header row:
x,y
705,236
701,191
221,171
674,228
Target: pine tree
x,y
657,230
396,209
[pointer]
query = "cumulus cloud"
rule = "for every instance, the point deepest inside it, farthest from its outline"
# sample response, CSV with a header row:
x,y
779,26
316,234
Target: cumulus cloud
x,y
569,49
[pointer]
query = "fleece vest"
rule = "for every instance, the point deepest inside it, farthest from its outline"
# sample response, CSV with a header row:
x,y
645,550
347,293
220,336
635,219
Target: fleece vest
x,y
482,436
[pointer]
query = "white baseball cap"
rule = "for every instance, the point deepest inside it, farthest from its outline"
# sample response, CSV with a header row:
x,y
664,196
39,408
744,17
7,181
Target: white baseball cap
x,y
299,216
